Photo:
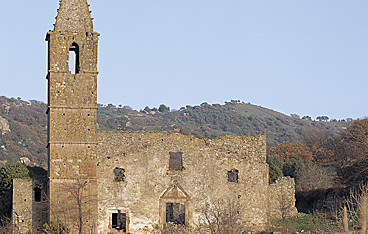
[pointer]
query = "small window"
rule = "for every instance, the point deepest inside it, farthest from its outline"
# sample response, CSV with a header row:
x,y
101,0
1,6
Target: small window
x,y
175,213
232,176
119,221
38,192
176,161
119,174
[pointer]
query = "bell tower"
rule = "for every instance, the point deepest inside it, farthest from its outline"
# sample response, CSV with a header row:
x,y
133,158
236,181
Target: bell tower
x,y
72,114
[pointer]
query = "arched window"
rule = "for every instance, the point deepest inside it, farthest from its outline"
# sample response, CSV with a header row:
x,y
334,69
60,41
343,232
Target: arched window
x,y
74,58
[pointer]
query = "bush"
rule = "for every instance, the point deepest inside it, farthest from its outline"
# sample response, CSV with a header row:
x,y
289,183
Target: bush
x,y
56,227
292,166
275,167
7,173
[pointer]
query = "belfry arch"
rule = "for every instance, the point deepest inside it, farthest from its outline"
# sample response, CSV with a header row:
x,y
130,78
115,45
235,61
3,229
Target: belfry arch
x,y
74,53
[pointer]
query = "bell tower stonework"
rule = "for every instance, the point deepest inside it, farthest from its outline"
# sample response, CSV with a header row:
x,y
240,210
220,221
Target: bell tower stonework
x,y
72,114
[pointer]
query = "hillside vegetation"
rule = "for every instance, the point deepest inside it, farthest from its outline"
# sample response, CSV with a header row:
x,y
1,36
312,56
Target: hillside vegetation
x,y
211,121
28,130
28,126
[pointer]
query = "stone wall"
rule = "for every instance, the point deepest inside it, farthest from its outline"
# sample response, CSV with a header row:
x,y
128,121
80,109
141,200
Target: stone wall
x,y
282,198
29,207
149,182
72,116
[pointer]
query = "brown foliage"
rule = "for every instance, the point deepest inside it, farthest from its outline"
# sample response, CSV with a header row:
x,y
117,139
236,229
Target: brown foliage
x,y
289,150
320,143
317,146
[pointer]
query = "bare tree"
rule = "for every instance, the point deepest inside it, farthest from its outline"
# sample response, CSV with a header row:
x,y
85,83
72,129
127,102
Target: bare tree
x,y
6,226
352,215
313,177
222,217
283,207
76,205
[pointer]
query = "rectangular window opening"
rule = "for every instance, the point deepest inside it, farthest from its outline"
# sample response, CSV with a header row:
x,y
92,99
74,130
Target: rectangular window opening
x,y
176,161
119,221
232,176
175,213
38,193
119,174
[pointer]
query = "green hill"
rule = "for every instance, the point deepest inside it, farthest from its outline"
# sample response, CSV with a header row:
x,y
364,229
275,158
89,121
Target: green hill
x,y
28,127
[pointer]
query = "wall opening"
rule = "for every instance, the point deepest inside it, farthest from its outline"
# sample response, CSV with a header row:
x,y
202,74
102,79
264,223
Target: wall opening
x,y
175,207
175,213
233,176
176,161
119,221
74,58
38,193
119,174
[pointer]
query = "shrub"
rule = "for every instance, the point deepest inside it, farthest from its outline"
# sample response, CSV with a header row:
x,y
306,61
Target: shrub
x,y
56,227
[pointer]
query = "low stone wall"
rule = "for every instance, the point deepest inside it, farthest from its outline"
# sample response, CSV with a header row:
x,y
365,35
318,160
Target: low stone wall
x,y
282,198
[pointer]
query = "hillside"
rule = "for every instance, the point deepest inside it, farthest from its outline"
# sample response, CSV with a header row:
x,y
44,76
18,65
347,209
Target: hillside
x,y
26,136
23,127
211,121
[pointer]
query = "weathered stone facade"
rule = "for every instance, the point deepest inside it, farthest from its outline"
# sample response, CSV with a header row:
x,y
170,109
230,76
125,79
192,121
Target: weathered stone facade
x,y
30,205
282,198
145,158
119,182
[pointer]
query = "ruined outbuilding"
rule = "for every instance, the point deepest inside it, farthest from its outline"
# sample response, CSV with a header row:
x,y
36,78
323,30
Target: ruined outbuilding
x,y
137,182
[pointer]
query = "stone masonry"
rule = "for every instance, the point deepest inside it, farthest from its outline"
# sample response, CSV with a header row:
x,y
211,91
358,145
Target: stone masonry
x,y
137,182
282,204
29,205
144,156
72,107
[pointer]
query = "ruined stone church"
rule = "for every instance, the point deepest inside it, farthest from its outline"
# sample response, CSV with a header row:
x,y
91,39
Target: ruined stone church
x,y
132,182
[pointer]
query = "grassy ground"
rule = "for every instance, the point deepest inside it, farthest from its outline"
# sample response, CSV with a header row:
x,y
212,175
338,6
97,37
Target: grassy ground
x,y
317,222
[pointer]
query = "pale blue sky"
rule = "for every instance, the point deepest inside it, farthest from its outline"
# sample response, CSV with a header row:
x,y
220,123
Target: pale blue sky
x,y
308,57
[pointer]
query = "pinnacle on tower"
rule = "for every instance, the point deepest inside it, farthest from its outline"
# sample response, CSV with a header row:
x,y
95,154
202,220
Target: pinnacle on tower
x,y
73,16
